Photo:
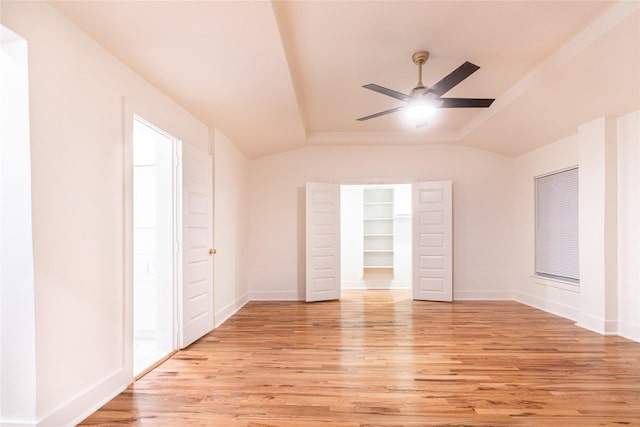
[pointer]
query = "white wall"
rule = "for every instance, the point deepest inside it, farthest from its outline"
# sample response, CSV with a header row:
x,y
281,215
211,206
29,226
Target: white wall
x,y
402,252
607,152
481,200
76,112
403,239
629,226
597,225
231,217
547,294
351,236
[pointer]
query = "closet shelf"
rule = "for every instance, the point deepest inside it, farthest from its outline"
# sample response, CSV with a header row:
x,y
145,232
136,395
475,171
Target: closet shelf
x,y
378,230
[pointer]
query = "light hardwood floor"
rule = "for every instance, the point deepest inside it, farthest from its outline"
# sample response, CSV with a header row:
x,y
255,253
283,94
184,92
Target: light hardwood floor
x,y
377,358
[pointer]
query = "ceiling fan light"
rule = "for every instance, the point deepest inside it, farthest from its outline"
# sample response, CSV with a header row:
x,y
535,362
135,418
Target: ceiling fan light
x,y
420,110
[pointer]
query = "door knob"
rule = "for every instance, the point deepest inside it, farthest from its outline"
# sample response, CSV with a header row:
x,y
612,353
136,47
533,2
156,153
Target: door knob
x,y
212,251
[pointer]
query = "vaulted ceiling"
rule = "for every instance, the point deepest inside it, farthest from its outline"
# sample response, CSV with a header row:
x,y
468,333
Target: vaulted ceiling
x,y
276,76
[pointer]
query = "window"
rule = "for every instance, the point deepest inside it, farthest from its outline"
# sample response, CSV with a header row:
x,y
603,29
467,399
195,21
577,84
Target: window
x,y
556,237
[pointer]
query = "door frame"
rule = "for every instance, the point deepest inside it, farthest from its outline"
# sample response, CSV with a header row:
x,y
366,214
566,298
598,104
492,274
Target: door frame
x,y
130,114
387,181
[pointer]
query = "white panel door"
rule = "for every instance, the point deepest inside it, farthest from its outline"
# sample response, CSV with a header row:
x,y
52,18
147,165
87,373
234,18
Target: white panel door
x,y
432,241
322,241
196,304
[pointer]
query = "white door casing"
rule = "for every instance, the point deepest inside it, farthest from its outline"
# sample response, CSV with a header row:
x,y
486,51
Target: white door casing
x,y
196,290
432,241
322,241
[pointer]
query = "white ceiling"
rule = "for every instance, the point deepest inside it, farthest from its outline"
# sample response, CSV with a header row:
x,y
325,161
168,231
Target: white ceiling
x,y
288,74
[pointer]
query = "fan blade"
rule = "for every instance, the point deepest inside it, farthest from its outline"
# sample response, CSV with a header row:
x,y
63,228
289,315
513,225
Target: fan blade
x,y
381,113
455,77
466,102
388,92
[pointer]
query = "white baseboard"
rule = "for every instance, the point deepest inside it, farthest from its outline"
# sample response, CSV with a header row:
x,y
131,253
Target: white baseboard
x,y
86,402
299,296
599,325
275,296
462,295
629,331
457,295
16,423
626,330
562,310
230,309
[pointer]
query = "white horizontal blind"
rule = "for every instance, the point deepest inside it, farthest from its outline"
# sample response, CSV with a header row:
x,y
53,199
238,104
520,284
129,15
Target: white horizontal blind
x,y
557,225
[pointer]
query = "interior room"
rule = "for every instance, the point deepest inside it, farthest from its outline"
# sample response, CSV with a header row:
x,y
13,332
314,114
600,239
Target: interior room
x,y
375,236
261,101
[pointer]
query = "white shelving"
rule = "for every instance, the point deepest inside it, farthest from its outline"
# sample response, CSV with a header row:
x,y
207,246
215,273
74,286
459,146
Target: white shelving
x,y
378,228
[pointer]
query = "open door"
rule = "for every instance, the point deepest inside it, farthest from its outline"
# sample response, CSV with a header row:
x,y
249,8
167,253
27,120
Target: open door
x,y
432,241
322,242
196,302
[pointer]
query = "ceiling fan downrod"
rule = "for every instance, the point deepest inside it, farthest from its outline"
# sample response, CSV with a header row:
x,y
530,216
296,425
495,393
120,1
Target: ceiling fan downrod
x,y
420,58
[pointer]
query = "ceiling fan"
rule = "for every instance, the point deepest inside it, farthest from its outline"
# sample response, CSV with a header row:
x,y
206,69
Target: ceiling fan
x,y
422,101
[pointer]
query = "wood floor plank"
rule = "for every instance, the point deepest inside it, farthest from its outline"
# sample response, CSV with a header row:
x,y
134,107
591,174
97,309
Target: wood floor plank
x,y
377,358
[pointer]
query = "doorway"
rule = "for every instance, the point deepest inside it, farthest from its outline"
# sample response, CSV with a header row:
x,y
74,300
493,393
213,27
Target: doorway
x,y
431,241
154,252
375,236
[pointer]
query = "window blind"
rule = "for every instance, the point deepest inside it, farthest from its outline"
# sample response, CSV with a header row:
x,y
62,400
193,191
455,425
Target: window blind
x,y
556,235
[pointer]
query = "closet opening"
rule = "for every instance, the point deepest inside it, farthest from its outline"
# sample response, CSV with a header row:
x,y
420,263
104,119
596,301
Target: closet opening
x,y
376,236
154,248
379,237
